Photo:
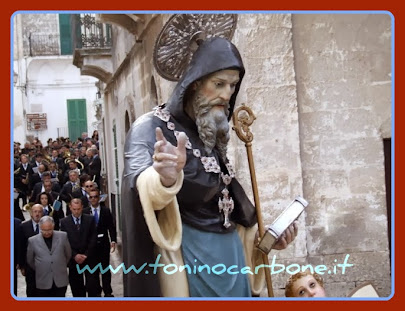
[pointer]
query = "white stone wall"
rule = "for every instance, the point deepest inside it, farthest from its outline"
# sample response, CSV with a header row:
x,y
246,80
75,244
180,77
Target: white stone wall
x,y
51,82
343,66
48,81
26,24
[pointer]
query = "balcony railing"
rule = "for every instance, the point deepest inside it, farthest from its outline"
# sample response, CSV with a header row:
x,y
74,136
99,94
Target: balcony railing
x,y
89,34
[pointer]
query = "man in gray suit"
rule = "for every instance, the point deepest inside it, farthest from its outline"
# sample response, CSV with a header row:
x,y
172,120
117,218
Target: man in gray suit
x,y
48,254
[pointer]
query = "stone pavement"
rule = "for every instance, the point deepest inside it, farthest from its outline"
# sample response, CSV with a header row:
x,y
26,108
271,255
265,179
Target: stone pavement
x,y
116,279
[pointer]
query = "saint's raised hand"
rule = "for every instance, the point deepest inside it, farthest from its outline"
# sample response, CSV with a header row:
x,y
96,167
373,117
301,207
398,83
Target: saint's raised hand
x,y
169,160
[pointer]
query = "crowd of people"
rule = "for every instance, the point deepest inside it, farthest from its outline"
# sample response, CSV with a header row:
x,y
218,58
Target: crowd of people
x,y
52,244
34,164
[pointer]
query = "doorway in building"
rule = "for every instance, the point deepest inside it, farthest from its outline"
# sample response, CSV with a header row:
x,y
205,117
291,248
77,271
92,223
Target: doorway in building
x,y
387,164
77,118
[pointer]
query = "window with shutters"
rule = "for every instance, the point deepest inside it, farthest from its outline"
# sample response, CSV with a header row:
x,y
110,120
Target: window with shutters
x,y
77,118
65,31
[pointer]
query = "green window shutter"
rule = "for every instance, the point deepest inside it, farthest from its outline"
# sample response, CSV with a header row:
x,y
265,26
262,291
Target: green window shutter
x,y
108,34
65,31
77,118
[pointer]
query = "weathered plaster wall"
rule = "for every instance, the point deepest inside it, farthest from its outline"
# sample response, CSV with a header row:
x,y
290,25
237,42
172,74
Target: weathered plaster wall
x,y
51,83
38,24
343,68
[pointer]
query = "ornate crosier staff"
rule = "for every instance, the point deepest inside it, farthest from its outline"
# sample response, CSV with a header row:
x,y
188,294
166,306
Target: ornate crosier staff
x,y
173,51
243,118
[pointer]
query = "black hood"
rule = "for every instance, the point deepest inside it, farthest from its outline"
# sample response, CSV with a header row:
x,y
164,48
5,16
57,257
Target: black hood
x,y
212,55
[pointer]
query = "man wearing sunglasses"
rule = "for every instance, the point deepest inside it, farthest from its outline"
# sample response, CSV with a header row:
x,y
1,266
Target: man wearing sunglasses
x,y
86,185
106,238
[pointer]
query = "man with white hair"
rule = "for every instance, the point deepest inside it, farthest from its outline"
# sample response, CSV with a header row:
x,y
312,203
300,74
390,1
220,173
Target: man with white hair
x,y
48,254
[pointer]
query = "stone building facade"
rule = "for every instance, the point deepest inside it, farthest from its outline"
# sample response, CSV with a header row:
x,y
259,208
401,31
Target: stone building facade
x,y
45,79
320,86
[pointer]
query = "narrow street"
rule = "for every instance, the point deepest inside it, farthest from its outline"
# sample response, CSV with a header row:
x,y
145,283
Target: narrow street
x,y
116,279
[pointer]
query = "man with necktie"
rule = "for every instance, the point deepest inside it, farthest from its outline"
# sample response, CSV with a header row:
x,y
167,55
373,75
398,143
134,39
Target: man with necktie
x,y
40,186
37,160
72,165
30,228
66,194
106,239
22,177
37,177
82,235
57,159
86,184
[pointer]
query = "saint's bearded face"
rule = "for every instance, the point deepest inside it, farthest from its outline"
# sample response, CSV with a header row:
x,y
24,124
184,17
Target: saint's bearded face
x,y
212,124
210,108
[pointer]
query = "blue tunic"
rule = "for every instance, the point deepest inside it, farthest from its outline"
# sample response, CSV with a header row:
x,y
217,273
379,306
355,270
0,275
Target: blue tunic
x,y
223,255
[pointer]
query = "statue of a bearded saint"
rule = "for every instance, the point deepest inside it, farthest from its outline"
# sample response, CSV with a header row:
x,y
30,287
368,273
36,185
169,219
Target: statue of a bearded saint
x,y
182,206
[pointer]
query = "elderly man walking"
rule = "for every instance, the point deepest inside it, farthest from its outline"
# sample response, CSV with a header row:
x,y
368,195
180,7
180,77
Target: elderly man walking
x,y
49,254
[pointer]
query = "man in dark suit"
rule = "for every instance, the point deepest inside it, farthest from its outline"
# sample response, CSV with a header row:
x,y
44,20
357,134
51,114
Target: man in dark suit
x,y
57,159
49,188
72,165
49,254
106,238
83,158
17,250
16,194
39,186
56,173
82,235
30,228
37,177
22,177
37,160
83,192
27,148
94,166
66,194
